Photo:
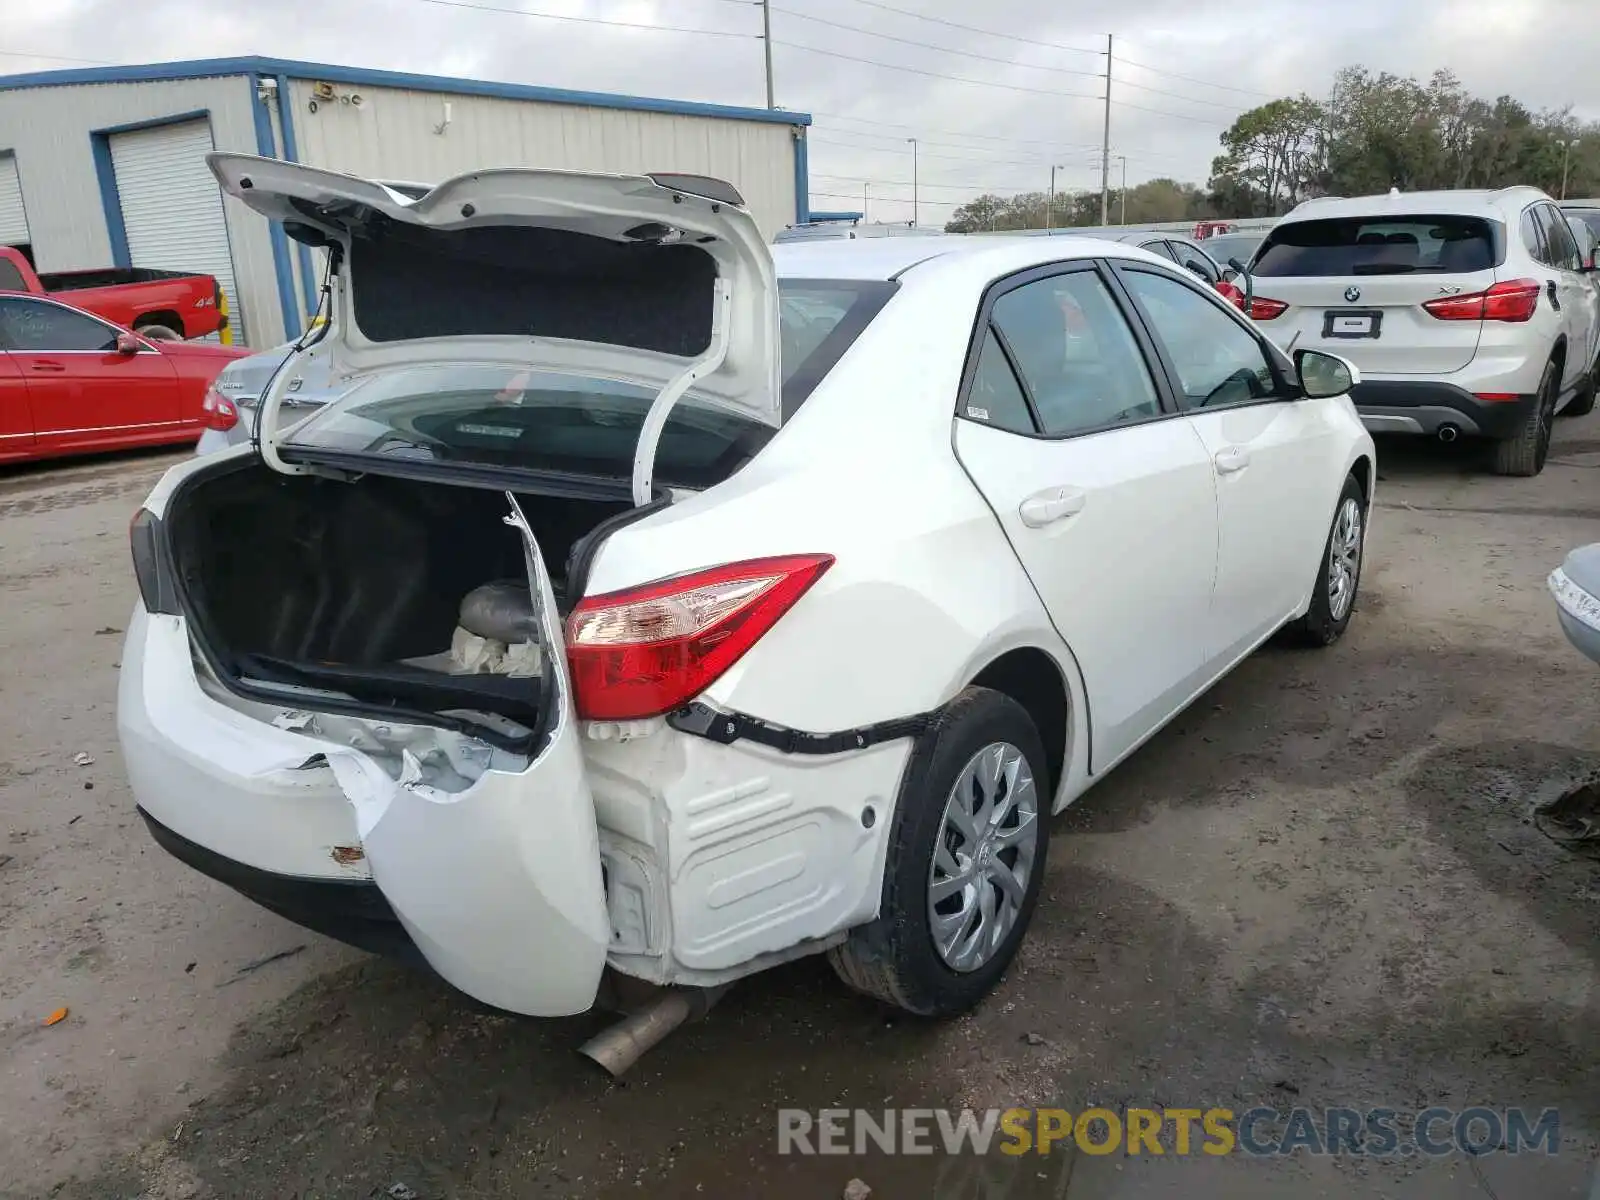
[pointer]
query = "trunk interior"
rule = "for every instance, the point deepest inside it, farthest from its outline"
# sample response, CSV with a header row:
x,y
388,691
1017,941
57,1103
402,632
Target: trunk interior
x,y
358,589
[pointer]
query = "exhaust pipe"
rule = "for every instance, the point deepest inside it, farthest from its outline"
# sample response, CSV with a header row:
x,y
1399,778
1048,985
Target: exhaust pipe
x,y
1448,434
617,1049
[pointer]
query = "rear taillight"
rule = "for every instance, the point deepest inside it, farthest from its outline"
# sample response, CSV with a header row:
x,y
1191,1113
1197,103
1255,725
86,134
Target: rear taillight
x,y
647,650
1263,308
1515,300
1232,293
218,412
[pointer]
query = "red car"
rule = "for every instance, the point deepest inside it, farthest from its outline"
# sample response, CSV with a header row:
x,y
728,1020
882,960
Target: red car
x,y
177,304
71,383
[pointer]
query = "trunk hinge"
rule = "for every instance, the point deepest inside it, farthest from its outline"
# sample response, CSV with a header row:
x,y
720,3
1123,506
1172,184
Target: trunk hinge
x,y
724,728
655,420
265,438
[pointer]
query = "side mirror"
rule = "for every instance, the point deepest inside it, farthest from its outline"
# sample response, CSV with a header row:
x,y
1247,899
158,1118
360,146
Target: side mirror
x,y
128,344
1324,375
1198,270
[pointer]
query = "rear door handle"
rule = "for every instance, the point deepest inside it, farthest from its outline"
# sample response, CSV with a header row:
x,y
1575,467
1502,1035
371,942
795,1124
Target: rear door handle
x,y
1555,299
1234,458
1052,504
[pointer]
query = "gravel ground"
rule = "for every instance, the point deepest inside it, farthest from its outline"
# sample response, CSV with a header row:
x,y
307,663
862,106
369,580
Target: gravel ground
x,y
1320,886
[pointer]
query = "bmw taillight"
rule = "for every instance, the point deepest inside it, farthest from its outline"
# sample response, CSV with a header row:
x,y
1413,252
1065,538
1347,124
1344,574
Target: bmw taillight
x,y
648,650
1515,301
1264,308
218,412
1232,293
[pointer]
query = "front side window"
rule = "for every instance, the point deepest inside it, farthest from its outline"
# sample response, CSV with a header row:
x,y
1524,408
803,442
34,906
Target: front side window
x,y
1217,360
1076,354
34,327
1195,260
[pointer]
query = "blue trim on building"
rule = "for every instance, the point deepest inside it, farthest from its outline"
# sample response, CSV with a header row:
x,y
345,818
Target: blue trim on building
x,y
255,65
291,151
106,175
802,179
266,146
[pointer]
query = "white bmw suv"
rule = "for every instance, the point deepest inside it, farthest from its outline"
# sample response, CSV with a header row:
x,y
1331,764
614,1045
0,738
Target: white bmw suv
x,y
1468,312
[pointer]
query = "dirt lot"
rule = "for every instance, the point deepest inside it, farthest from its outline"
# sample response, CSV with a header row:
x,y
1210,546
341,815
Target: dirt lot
x,y
1319,887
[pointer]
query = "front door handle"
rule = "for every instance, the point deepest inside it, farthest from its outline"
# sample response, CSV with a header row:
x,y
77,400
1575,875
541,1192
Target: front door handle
x,y
1234,458
1052,504
48,366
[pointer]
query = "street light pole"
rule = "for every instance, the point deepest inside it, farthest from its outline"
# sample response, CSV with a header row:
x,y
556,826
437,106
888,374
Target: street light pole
x,y
1050,212
1105,146
1124,218
916,203
865,202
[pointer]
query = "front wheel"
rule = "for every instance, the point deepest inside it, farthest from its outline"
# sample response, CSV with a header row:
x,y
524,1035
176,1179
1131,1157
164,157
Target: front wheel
x,y
966,859
1333,600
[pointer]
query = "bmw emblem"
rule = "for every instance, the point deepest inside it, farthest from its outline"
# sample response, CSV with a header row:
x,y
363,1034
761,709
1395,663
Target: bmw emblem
x,y
1352,293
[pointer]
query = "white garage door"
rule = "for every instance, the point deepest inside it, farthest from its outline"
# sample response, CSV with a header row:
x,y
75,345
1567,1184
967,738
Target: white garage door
x,y
172,206
13,220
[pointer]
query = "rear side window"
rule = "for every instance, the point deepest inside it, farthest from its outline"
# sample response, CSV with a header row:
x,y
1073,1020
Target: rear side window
x,y
1397,245
819,320
10,277
1077,356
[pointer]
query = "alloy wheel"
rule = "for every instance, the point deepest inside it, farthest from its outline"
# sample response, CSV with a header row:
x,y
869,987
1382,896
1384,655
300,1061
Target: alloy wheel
x,y
1344,558
983,856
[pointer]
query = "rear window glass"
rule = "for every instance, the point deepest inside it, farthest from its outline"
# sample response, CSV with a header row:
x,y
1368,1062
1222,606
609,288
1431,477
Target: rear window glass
x,y
1392,246
505,415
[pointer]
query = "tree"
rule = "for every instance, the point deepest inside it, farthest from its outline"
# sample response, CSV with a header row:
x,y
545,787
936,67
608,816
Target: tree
x,y
1273,154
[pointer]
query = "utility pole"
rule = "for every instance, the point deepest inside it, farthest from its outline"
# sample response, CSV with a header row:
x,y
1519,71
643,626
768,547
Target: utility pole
x,y
1566,161
1105,146
916,203
1050,213
865,201
766,42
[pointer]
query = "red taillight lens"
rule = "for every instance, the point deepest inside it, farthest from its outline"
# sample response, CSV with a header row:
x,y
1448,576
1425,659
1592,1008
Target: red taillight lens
x,y
1232,293
1515,300
218,412
647,650
1263,308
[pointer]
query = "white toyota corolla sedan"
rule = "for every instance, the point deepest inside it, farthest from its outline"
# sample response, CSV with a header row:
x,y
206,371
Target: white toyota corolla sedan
x,y
643,602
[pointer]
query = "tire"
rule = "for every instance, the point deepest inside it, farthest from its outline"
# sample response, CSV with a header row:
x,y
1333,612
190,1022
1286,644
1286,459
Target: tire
x,y
1331,606
1525,451
158,333
1583,403
895,958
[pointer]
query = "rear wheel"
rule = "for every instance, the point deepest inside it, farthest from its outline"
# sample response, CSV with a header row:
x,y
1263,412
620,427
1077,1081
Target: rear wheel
x,y
965,863
1333,600
1525,451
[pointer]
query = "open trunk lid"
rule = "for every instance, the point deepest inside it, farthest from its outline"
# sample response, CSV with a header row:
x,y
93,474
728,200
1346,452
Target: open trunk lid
x,y
662,281
1356,287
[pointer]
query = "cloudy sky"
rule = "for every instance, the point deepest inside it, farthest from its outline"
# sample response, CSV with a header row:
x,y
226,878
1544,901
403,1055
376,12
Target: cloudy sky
x,y
995,93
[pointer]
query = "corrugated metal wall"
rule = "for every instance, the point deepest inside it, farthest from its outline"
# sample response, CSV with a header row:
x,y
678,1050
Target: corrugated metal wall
x,y
391,134
49,130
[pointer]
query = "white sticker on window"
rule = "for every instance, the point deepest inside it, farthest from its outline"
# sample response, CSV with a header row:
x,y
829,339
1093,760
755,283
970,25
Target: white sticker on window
x,y
977,414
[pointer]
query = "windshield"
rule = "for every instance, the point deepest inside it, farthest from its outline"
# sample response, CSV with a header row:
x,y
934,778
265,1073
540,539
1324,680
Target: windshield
x,y
497,414
1390,245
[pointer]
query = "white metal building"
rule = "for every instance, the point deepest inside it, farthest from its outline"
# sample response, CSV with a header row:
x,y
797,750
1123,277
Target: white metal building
x,y
105,166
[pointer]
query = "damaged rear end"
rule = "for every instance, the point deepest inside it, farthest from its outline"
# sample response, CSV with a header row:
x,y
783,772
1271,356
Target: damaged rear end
x,y
349,665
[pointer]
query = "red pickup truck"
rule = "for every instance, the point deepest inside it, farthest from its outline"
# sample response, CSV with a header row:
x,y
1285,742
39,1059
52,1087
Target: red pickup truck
x,y
158,304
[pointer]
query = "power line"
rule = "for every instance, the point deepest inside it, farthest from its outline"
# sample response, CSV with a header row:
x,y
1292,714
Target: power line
x,y
873,62
1226,87
1010,37
1234,108
889,37
542,16
944,187
986,137
94,62
1175,116
1041,162
889,199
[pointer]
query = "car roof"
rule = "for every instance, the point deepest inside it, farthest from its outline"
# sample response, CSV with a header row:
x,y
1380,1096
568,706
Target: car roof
x,y
1466,202
889,258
